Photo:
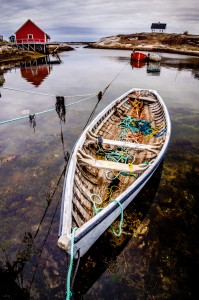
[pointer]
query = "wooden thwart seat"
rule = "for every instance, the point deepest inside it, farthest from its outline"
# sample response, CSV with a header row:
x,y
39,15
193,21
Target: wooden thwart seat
x,y
87,160
138,146
148,99
92,139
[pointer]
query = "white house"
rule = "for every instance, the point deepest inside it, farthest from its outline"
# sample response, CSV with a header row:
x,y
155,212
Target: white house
x,y
158,27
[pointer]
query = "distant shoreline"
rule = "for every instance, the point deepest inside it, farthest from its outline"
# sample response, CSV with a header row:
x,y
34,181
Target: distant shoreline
x,y
184,44
149,49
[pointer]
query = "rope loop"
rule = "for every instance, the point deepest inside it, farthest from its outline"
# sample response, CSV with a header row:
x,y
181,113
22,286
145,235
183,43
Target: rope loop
x,y
96,210
121,219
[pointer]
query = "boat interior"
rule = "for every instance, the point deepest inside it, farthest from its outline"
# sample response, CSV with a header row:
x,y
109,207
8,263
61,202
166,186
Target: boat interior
x,y
116,151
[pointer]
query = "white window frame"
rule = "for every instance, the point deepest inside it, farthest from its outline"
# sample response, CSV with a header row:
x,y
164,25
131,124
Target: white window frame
x,y
30,36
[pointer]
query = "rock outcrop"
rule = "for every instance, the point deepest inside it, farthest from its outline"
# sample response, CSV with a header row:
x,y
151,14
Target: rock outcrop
x,y
9,53
162,42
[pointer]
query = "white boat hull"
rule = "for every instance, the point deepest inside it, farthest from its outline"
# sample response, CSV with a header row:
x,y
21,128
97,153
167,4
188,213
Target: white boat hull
x,y
88,233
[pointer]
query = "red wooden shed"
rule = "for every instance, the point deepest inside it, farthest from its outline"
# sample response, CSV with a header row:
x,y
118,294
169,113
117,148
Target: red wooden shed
x,y
29,32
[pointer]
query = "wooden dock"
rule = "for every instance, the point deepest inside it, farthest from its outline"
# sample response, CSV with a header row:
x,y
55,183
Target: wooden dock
x,y
40,47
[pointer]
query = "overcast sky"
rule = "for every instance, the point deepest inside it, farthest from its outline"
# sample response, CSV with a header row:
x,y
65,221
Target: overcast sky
x,y
89,20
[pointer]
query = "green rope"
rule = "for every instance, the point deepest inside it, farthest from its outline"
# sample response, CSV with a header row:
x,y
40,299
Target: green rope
x,y
68,291
129,174
96,210
121,219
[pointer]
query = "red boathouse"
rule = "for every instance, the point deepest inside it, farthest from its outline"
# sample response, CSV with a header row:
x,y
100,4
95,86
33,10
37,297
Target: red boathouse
x,y
31,33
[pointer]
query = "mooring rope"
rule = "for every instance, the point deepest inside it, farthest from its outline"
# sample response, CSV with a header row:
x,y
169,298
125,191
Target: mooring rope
x,y
43,94
106,88
45,111
99,95
68,281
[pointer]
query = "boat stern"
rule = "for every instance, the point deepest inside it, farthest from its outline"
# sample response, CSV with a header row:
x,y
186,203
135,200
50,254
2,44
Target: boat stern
x,y
64,242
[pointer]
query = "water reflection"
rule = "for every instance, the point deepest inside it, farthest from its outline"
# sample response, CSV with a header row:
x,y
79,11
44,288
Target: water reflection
x,y
32,121
195,73
60,108
138,64
153,68
31,164
2,79
182,63
178,62
36,71
29,251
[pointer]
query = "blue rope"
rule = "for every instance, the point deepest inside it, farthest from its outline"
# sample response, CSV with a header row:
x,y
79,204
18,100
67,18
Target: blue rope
x,y
136,125
160,133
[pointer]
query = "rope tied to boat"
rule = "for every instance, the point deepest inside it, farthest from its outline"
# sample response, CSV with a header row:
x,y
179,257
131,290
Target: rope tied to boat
x,y
68,281
96,210
121,219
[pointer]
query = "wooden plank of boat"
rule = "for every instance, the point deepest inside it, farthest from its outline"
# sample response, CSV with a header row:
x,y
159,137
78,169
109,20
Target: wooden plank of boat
x,y
87,160
99,140
132,145
149,99
93,159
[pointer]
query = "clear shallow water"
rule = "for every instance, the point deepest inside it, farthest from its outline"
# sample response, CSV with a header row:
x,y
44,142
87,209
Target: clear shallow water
x,y
157,257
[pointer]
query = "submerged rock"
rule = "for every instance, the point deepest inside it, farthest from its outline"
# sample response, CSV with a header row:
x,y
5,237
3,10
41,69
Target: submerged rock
x,y
6,158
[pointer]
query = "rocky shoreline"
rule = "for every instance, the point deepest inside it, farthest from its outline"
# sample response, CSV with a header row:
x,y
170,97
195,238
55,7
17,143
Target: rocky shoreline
x,y
153,42
184,44
9,54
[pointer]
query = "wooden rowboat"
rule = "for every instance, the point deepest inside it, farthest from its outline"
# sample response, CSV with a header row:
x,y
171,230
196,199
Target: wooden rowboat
x,y
138,56
112,160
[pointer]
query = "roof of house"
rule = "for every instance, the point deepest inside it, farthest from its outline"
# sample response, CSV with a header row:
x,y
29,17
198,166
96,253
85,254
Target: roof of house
x,y
34,25
158,25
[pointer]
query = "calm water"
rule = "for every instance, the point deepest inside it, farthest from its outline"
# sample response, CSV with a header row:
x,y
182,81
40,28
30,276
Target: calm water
x,y
157,256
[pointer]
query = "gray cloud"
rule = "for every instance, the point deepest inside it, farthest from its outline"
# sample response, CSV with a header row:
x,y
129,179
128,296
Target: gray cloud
x,y
90,20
